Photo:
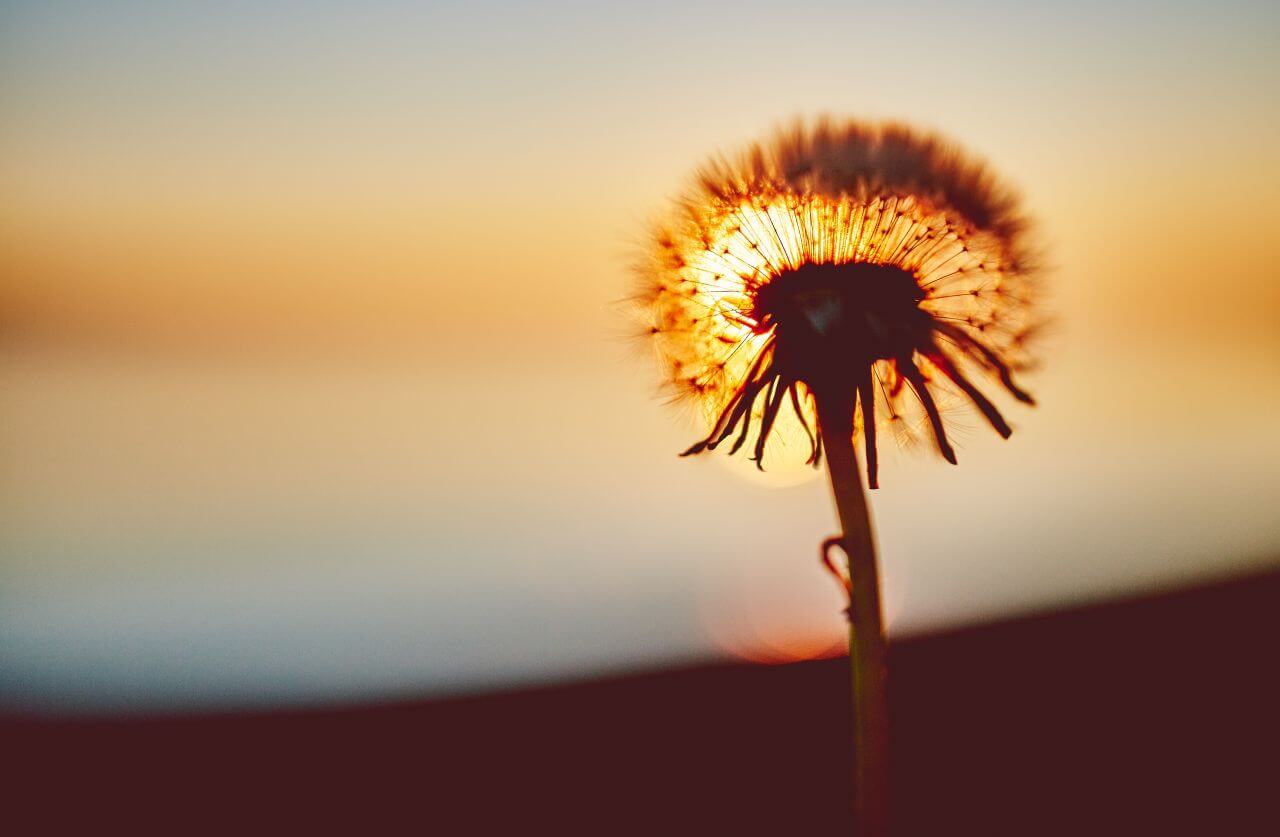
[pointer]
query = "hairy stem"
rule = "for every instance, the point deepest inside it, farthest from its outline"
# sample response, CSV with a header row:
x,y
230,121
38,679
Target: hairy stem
x,y
866,632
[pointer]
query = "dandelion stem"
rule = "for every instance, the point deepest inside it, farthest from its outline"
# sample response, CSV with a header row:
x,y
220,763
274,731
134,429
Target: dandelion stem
x,y
866,633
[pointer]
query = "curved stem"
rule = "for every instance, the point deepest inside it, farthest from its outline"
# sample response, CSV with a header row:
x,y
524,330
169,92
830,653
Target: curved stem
x,y
866,631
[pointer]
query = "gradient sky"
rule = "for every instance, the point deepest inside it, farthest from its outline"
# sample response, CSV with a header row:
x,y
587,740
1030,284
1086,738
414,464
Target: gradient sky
x,y
316,384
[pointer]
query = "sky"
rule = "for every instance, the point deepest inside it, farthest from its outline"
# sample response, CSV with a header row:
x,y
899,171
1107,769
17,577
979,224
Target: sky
x,y
317,384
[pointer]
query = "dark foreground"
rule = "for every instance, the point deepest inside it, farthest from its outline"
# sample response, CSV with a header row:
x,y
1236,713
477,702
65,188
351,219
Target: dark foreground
x,y
1158,716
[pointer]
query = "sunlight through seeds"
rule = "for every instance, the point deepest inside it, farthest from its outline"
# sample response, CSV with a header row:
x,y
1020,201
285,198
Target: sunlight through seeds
x,y
881,260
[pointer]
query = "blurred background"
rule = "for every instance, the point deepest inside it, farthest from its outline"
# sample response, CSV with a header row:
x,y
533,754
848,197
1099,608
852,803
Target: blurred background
x,y
330,477
315,385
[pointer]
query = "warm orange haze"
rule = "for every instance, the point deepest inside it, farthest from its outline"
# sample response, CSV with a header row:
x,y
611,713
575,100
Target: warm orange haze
x,y
316,366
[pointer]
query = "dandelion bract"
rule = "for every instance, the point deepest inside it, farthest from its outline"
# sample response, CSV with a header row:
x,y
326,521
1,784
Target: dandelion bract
x,y
872,262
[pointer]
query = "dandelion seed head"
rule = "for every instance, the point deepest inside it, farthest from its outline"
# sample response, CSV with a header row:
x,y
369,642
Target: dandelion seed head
x,y
842,257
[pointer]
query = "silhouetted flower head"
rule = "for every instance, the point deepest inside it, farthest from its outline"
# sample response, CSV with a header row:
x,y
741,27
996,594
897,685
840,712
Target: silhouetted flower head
x,y
841,260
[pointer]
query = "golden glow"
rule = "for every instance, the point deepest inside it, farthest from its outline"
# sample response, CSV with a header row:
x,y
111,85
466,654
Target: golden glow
x,y
708,268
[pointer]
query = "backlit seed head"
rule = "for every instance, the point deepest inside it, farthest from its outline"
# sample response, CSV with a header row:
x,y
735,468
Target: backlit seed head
x,y
866,262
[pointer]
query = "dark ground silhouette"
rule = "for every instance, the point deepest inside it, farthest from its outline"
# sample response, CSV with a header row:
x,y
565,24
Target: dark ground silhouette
x,y
1154,716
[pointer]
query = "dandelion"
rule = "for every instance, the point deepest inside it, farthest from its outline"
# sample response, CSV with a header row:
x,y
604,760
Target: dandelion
x,y
845,281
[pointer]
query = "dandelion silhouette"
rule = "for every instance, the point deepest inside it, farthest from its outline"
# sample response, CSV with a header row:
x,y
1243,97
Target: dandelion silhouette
x,y
853,276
